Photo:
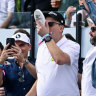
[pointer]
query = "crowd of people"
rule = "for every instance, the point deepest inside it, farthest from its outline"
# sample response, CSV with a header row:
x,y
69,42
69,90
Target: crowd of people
x,y
55,70
14,13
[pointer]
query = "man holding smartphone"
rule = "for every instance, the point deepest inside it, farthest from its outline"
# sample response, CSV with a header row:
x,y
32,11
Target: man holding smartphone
x,y
16,79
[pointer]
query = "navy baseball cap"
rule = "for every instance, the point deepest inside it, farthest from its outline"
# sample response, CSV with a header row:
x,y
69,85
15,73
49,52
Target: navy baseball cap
x,y
56,16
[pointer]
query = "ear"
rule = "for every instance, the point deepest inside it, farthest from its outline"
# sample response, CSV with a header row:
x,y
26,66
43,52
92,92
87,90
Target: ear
x,y
29,47
61,28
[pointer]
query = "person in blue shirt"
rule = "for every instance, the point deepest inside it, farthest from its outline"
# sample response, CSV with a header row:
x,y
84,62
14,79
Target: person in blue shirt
x,y
16,77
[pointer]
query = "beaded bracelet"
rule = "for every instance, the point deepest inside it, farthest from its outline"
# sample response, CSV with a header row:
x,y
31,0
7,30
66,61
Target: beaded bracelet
x,y
1,66
43,38
46,35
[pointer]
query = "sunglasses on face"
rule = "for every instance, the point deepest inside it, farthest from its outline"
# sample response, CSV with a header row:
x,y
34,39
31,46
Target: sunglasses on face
x,y
52,23
93,29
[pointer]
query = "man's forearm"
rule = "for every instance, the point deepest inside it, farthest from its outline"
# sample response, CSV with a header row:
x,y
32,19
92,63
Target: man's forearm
x,y
57,54
33,91
31,68
86,6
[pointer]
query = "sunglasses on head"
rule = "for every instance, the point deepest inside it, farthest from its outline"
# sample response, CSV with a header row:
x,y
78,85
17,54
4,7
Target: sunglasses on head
x,y
93,29
52,23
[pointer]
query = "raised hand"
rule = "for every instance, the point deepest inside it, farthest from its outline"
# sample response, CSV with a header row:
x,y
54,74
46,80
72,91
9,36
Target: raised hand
x,y
41,29
5,54
17,53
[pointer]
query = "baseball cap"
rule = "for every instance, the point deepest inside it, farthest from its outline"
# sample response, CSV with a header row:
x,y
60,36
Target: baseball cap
x,y
21,37
55,15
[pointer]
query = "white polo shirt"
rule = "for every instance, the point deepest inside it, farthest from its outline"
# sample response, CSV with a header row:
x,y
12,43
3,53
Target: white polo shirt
x,y
54,79
87,88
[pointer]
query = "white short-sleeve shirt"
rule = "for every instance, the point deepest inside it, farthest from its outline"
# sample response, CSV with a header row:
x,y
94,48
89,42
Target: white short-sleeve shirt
x,y
87,88
54,79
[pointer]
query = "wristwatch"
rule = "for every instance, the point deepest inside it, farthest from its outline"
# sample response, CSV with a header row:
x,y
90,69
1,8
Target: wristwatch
x,y
48,38
26,62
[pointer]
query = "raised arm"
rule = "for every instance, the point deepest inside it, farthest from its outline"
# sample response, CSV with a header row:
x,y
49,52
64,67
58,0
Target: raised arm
x,y
58,55
31,68
85,4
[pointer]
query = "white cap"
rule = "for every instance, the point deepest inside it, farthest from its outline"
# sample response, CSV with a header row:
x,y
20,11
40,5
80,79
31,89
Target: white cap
x,y
21,37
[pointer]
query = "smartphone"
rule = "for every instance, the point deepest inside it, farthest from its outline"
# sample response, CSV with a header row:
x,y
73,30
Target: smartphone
x,y
82,6
11,41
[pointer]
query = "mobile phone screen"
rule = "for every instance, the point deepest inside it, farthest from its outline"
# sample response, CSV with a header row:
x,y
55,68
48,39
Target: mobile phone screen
x,y
11,41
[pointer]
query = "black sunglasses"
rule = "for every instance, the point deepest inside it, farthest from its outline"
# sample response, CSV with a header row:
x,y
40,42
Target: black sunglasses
x,y
93,29
52,23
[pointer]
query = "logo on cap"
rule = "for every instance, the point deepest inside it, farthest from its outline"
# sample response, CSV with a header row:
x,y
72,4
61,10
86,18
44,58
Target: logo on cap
x,y
53,13
61,21
18,36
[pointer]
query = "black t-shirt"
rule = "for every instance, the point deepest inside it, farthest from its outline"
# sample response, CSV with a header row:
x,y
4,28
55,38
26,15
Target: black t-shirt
x,y
43,5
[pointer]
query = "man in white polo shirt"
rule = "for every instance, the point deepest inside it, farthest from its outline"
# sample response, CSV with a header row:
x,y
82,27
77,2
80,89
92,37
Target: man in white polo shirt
x,y
57,60
89,68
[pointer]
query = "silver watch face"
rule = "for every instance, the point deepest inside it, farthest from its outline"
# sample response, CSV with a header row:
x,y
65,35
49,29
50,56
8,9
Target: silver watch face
x,y
26,62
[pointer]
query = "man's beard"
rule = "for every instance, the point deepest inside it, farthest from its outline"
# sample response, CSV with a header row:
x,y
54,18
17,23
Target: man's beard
x,y
93,41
